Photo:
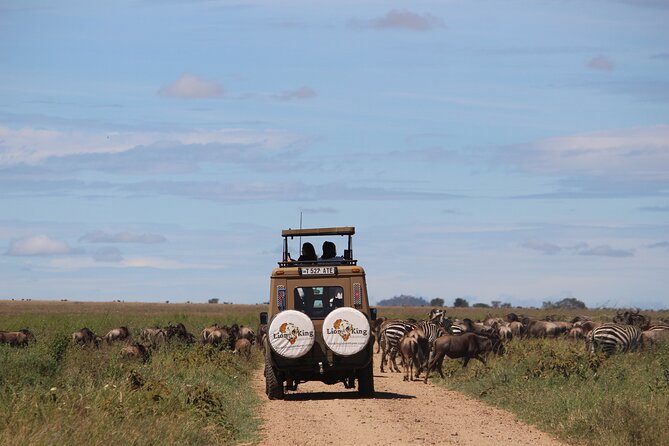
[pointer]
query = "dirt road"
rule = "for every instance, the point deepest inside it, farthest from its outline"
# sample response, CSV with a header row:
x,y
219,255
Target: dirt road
x,y
400,413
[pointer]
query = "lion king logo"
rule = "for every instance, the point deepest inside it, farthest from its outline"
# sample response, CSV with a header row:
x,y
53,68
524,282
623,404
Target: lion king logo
x,y
344,328
290,332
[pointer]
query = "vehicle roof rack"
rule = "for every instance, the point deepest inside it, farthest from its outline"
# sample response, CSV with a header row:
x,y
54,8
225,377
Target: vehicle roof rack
x,y
318,232
344,230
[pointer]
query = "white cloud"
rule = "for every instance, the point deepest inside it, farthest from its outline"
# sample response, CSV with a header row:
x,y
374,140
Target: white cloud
x,y
544,247
37,245
403,19
639,153
582,249
122,237
78,263
190,86
601,63
32,145
606,251
300,93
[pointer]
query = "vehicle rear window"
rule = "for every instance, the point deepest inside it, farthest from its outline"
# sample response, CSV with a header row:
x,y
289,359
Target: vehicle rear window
x,y
317,301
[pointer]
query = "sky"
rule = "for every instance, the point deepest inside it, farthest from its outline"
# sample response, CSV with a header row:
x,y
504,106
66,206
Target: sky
x,y
513,151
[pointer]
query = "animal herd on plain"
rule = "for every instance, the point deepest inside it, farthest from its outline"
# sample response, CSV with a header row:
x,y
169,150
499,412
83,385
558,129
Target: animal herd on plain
x,y
423,345
238,339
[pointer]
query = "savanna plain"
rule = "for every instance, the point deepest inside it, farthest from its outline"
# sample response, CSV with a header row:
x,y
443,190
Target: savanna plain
x,y
55,392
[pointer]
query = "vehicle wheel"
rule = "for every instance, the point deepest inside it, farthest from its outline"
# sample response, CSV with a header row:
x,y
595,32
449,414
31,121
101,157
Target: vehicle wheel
x,y
273,385
366,380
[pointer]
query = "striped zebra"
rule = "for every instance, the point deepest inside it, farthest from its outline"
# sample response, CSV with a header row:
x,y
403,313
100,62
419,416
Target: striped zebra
x,y
430,331
390,333
613,337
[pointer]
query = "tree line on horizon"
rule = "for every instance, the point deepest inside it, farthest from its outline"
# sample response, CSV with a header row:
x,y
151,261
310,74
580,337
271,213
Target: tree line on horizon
x,y
403,300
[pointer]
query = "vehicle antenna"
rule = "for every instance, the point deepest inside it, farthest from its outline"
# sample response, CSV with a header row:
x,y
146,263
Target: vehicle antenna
x,y
300,235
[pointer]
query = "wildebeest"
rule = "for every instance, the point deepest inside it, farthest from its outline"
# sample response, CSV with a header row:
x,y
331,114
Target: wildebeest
x,y
243,348
135,351
533,328
466,346
154,336
117,334
375,328
179,332
224,337
19,338
86,337
246,333
413,349
586,326
632,318
655,335
206,331
261,335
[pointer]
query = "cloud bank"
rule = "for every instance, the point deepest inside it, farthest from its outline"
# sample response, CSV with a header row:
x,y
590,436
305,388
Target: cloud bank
x,y
402,20
582,249
601,63
190,86
37,245
122,237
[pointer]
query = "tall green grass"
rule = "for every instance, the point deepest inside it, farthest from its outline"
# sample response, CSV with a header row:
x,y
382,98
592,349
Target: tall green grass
x,y
581,398
53,392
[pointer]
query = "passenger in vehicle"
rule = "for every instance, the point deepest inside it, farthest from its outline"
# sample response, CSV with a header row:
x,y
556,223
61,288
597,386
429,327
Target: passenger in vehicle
x,y
330,252
308,253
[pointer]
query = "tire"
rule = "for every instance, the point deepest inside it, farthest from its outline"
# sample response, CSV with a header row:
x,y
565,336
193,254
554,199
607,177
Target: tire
x,y
366,380
273,385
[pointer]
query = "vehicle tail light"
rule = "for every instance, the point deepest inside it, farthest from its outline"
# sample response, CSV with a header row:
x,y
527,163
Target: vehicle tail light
x,y
357,295
281,297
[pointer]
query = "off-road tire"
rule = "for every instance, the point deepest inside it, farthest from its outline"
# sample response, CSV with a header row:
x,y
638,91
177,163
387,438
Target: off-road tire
x,y
273,385
366,380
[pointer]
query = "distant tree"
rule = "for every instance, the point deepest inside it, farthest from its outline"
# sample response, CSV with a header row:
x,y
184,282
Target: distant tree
x,y
480,305
506,305
459,302
213,300
495,303
403,301
569,303
437,302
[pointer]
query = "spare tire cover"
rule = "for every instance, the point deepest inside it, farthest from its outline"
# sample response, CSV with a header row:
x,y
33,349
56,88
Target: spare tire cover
x,y
291,334
346,331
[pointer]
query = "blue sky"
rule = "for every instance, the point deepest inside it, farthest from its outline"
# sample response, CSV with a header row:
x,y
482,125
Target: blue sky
x,y
494,150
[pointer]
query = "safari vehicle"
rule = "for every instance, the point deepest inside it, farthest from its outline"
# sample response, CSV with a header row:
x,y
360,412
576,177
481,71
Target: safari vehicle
x,y
319,320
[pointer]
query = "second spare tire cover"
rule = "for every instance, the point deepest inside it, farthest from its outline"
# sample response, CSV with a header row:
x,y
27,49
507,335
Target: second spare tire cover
x,y
291,334
346,331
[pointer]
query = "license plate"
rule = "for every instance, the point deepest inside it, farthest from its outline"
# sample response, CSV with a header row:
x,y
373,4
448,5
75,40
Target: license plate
x,y
318,270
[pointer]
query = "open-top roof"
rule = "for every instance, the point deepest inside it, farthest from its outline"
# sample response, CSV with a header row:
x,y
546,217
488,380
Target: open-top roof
x,y
344,230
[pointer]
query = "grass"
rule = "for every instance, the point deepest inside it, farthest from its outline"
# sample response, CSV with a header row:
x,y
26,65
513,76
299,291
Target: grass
x,y
559,387
53,392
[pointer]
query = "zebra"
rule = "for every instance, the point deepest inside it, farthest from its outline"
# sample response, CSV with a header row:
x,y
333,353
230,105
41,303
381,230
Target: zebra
x,y
392,331
612,337
430,331
390,334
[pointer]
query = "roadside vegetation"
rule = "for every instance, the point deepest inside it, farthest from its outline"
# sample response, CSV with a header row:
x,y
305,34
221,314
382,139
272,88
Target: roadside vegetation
x,y
557,386
53,392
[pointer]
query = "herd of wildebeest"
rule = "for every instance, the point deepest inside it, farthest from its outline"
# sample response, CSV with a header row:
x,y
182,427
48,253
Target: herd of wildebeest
x,y
423,345
237,338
